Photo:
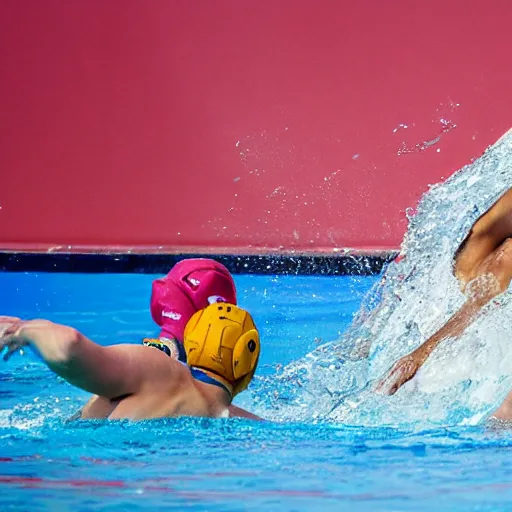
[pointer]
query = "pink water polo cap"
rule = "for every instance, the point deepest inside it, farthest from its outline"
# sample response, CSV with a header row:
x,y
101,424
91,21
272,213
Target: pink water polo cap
x,y
191,285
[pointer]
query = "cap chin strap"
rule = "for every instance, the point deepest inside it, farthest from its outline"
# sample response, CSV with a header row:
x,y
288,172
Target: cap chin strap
x,y
209,377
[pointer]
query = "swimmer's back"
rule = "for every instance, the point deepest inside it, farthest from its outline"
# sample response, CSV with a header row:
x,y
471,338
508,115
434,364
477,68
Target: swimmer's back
x,y
171,392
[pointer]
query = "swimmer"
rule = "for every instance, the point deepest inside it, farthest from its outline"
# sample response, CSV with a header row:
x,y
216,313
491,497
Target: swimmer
x,y
483,266
221,344
192,284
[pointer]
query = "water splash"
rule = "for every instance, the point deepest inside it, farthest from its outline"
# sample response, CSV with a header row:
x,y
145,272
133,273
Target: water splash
x,y
462,383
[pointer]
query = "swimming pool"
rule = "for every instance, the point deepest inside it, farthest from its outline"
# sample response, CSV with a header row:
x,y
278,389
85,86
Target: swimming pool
x,y
224,465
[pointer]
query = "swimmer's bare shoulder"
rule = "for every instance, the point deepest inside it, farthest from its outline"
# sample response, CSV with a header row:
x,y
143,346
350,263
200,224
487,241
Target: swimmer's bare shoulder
x,y
498,219
165,388
485,236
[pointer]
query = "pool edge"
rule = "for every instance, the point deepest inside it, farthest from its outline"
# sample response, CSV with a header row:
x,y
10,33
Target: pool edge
x,y
350,263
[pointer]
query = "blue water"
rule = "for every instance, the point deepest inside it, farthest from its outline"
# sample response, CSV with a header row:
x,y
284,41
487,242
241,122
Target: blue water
x,y
223,465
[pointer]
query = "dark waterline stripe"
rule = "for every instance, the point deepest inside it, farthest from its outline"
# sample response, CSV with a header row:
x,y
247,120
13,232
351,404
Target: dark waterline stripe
x,y
345,264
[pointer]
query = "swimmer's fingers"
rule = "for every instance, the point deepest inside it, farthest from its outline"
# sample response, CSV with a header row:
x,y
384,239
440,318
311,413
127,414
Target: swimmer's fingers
x,y
8,325
12,349
9,344
9,336
6,332
401,372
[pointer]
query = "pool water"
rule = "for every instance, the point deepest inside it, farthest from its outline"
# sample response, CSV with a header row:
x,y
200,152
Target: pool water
x,y
48,463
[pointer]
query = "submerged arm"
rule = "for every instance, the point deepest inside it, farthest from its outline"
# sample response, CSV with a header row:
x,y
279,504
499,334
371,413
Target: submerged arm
x,y
406,367
455,326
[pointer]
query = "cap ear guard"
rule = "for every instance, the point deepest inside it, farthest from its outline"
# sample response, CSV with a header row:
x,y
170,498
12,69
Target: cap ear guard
x,y
246,353
243,383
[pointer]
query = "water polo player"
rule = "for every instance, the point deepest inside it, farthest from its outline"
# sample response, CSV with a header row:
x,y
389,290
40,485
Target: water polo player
x,y
191,285
137,382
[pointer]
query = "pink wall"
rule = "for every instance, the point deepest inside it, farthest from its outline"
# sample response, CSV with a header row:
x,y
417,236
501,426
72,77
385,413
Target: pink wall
x,y
239,125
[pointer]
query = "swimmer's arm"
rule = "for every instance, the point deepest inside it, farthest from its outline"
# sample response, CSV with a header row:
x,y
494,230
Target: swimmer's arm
x,y
455,326
406,367
494,279
112,372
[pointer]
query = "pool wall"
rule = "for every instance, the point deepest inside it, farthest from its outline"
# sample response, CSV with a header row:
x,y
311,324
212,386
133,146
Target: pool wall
x,y
191,126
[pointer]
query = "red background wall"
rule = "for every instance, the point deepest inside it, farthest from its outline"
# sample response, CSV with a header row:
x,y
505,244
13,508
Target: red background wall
x,y
240,125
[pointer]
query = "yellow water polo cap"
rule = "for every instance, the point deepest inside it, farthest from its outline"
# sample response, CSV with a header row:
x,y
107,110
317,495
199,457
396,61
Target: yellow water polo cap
x,y
222,339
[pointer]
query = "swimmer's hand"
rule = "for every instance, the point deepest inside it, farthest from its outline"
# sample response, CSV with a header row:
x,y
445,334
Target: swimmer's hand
x,y
401,372
50,340
9,335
